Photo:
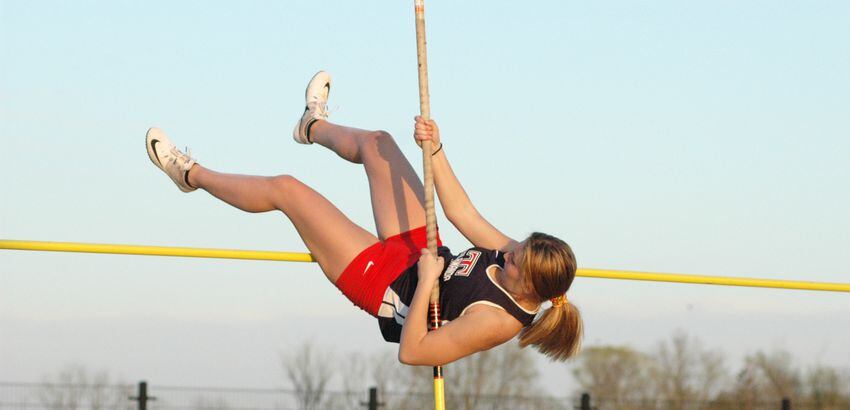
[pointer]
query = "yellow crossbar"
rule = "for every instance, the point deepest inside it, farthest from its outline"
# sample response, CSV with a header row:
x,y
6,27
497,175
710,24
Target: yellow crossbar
x,y
306,257
713,280
155,251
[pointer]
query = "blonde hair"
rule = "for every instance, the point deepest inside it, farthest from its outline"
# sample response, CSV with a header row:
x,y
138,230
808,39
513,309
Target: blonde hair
x,y
549,266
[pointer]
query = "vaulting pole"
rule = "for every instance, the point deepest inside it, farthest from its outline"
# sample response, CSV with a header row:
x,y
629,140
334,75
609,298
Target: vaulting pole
x,y
430,215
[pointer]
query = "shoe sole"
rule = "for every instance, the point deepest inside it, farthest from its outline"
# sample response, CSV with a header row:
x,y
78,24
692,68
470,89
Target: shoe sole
x,y
150,146
327,83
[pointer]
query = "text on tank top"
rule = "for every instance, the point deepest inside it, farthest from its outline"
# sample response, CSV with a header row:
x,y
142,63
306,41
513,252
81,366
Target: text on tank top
x,y
464,283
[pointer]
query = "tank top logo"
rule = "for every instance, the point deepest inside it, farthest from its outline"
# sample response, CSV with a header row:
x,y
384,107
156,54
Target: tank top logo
x,y
462,265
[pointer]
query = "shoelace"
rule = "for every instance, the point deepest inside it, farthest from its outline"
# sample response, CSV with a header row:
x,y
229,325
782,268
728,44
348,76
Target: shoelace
x,y
320,109
328,111
179,158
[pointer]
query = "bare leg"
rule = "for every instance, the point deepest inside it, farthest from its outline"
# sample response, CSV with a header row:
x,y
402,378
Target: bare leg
x,y
397,194
329,235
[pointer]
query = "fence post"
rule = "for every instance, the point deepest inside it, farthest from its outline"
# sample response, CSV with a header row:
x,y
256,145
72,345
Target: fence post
x,y
786,403
143,397
585,401
372,404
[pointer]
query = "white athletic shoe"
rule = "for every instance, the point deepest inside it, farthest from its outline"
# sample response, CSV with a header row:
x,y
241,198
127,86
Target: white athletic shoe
x,y
316,108
165,155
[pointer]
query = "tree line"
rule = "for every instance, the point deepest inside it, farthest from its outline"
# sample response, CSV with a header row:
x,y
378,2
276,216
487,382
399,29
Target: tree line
x,y
678,374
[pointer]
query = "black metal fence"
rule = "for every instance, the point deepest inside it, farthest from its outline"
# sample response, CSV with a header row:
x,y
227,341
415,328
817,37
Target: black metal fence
x,y
141,396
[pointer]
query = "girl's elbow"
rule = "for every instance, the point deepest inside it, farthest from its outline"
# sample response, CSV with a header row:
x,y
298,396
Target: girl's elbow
x,y
414,360
405,356
402,357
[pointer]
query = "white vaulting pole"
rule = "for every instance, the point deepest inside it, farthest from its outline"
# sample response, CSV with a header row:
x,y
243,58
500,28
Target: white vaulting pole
x,y
430,215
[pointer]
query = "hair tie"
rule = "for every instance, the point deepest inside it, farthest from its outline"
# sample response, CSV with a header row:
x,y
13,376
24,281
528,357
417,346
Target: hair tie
x,y
559,301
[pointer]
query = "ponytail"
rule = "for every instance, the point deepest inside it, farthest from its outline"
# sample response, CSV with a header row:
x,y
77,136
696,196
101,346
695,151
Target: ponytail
x,y
556,332
550,267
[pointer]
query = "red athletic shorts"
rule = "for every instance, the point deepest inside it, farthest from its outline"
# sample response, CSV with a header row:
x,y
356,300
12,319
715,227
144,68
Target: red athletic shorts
x,y
367,277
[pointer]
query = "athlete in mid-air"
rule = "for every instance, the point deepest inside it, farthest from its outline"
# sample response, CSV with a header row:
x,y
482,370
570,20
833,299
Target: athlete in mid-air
x,y
488,294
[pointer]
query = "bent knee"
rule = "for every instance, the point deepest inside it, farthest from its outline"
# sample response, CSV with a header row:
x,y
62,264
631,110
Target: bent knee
x,y
378,142
284,182
284,190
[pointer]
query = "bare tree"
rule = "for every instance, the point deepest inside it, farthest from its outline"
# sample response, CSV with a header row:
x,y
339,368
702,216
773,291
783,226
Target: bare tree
x,y
686,376
781,377
747,391
75,387
767,378
674,371
471,380
309,373
826,389
385,372
712,374
353,370
618,376
400,386
500,378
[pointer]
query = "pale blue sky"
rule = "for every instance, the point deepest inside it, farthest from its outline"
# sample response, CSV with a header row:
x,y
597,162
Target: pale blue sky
x,y
696,137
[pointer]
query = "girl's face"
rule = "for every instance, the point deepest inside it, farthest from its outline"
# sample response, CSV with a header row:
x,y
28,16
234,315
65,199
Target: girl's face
x,y
513,259
513,270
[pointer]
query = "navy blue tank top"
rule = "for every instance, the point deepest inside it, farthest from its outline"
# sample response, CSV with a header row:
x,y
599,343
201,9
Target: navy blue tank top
x,y
464,283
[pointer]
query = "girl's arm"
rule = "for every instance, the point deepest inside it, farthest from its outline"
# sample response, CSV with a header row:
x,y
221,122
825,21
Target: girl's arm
x,y
470,333
455,202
